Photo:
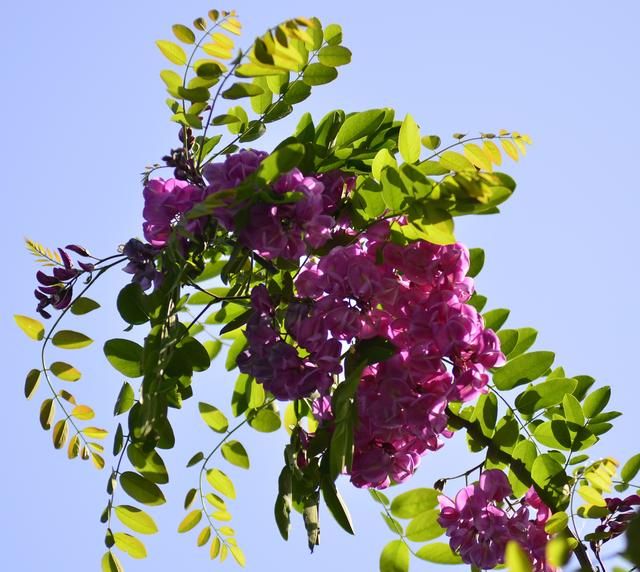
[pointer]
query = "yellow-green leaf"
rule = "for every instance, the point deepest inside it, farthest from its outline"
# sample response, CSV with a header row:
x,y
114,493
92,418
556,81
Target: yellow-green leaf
x,y
183,33
95,432
83,412
236,454
509,148
60,433
409,140
221,482
47,412
33,328
215,548
110,563
492,151
232,25
238,555
478,157
213,417
516,559
190,521
130,544
70,340
65,371
31,383
592,496
204,536
173,52
217,51
395,557
136,519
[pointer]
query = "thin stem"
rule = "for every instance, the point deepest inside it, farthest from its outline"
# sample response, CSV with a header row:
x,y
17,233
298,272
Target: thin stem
x,y
466,473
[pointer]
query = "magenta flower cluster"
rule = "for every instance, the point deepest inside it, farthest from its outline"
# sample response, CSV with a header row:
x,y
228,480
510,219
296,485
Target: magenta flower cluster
x,y
479,526
289,229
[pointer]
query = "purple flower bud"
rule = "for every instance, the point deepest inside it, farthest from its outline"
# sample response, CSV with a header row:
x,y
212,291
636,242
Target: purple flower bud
x,y
78,249
45,279
66,259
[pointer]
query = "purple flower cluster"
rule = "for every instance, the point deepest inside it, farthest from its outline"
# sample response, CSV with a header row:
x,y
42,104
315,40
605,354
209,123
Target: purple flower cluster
x,y
479,527
142,263
621,513
415,297
164,202
56,289
288,229
278,364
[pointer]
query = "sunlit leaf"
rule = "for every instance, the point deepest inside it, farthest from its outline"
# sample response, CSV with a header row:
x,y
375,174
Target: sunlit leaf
x,y
334,56
70,340
235,453
213,417
319,74
409,140
173,52
130,544
33,328
141,489
190,521
31,383
65,371
47,412
136,519
183,33
221,482
125,356
414,502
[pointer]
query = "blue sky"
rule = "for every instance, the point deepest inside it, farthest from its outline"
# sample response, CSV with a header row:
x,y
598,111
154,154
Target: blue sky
x,y
84,113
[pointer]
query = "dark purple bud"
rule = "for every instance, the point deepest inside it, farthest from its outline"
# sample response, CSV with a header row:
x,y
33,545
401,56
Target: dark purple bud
x,y
45,279
66,259
632,500
613,504
64,274
86,266
64,300
44,313
50,289
78,249
40,296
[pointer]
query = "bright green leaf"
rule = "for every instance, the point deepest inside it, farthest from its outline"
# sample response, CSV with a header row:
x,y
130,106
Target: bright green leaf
x,y
125,356
523,369
439,553
136,519
213,417
173,52
395,557
190,521
70,340
221,482
130,544
411,503
65,371
409,140
236,454
141,489
334,56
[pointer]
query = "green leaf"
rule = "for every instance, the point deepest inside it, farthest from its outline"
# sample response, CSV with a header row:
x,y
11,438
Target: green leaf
x,y
526,338
572,410
65,371
33,328
630,469
31,383
478,157
516,558
126,399
544,395
136,519
236,454
130,304
333,34
60,433
359,125
204,536
508,340
522,369
282,160
556,523
148,463
183,33
395,557
190,521
266,421
383,159
242,89
70,340
130,544
334,56
319,74
173,52
455,162
213,417
476,261
409,140
336,504
47,412
83,412
494,319
221,482
591,496
486,412
425,527
125,356
141,489
550,481
110,563
439,553
84,306
524,454
431,142
237,554
596,401
411,503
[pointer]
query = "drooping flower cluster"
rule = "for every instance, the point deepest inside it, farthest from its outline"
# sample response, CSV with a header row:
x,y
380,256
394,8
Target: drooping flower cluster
x,y
284,229
56,289
479,526
621,513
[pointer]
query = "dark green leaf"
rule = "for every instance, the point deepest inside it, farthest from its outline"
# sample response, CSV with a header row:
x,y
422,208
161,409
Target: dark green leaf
x,y
130,305
334,56
319,74
84,306
476,261
494,319
242,89
126,399
125,356
141,489
70,340
544,395
336,504
596,401
31,383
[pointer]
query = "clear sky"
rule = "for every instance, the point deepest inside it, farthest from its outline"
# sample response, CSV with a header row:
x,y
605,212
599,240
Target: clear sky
x,y
83,113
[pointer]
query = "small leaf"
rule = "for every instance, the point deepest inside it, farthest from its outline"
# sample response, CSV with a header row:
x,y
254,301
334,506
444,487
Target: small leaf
x,y
65,371
214,550
221,482
241,89
238,555
195,459
431,142
204,536
395,557
425,527
439,553
516,558
141,489
630,469
183,33
95,432
31,383
126,399
33,328
60,433
266,421
83,412
130,544
47,412
334,56
592,496
414,502
136,519
83,306
596,401
509,148
125,356
495,319
478,157
190,521
556,523
110,563
70,340
173,52
359,125
213,417
409,140
236,454
523,369
319,74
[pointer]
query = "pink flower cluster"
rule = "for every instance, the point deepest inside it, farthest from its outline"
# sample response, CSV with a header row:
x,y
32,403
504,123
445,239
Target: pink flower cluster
x,y
287,229
164,202
479,527
413,296
276,363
